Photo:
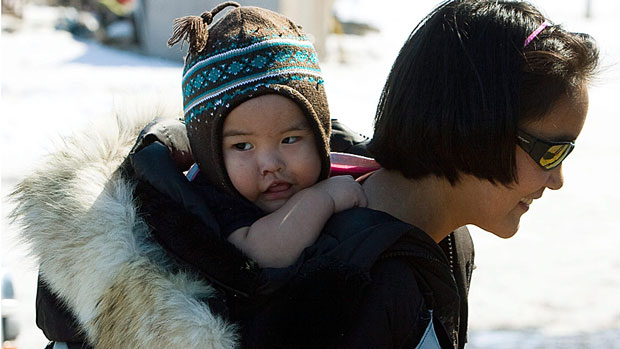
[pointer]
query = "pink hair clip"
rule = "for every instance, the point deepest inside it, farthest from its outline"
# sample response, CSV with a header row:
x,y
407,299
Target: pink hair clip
x,y
535,33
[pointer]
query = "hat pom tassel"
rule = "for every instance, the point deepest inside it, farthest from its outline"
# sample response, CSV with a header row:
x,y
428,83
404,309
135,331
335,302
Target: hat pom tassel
x,y
191,29
195,29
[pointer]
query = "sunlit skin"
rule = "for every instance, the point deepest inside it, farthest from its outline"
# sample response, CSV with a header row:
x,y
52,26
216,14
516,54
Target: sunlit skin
x,y
269,150
501,207
439,208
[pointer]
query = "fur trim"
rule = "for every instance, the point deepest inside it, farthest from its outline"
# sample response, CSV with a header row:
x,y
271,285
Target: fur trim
x,y
78,216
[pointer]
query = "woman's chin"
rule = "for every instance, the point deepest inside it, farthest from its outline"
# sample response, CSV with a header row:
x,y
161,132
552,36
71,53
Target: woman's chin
x,y
502,232
506,234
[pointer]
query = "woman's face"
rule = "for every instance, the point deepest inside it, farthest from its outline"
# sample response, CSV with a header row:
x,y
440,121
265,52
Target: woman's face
x,y
501,207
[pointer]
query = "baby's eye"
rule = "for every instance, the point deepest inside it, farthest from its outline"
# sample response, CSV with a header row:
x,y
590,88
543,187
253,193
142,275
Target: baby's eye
x,y
242,146
291,139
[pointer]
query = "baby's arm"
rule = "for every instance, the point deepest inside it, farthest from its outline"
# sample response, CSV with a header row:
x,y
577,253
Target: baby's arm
x,y
277,239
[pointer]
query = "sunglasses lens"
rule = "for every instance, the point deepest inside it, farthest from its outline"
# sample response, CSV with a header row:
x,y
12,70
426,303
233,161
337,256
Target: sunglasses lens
x,y
554,155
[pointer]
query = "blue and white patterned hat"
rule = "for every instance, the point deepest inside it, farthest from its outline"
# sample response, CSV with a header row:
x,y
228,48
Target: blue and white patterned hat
x,y
248,53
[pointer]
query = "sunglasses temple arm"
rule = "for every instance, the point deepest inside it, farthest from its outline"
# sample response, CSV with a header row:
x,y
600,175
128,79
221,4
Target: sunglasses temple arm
x,y
526,144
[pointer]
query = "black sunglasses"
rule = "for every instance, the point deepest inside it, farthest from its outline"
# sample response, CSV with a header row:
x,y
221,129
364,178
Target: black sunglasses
x,y
547,154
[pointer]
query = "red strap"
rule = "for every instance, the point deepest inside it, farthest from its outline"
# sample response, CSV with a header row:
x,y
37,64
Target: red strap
x,y
351,164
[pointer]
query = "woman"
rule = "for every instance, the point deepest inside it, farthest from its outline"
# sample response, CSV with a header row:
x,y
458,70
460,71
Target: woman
x,y
482,105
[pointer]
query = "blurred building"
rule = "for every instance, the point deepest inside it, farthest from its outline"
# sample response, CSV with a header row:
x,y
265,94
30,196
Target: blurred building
x,y
154,20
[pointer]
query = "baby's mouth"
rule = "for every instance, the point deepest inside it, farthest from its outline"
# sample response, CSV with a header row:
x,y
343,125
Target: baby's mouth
x,y
278,187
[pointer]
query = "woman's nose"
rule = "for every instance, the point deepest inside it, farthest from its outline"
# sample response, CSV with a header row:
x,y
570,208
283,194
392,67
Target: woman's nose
x,y
556,178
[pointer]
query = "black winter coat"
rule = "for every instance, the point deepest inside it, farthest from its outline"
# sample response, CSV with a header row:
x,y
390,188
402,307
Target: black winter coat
x,y
369,281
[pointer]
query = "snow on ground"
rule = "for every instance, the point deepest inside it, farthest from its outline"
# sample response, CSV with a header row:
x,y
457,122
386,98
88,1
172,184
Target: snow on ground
x,y
554,285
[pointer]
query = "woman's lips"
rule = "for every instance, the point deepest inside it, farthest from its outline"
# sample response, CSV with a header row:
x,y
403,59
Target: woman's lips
x,y
525,203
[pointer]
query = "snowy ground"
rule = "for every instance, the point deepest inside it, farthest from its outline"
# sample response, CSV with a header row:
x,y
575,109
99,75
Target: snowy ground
x,y
556,284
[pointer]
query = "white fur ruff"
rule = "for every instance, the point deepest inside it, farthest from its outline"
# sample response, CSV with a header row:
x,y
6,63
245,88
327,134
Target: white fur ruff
x,y
79,219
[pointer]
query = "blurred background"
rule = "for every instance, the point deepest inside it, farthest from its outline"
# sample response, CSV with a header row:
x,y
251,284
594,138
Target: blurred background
x,y
556,284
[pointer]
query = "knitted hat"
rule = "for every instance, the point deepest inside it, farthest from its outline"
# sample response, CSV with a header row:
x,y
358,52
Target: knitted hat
x,y
247,53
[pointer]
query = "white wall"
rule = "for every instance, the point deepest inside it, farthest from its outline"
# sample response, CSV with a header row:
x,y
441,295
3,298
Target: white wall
x,y
314,16
154,21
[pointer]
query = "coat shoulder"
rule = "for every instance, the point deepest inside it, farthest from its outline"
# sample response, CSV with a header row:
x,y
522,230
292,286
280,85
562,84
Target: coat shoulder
x,y
80,220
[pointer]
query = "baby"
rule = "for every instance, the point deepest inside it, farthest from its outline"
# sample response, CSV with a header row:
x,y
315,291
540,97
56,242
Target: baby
x,y
258,125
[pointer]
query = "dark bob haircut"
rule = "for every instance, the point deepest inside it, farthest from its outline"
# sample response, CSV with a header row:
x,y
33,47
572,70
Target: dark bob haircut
x,y
463,83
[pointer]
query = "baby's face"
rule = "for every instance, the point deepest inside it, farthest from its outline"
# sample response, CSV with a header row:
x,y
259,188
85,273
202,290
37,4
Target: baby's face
x,y
270,152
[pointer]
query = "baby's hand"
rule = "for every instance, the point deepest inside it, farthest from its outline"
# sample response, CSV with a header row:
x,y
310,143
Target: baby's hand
x,y
344,191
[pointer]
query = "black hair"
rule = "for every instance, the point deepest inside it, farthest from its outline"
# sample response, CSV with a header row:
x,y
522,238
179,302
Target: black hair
x,y
463,83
